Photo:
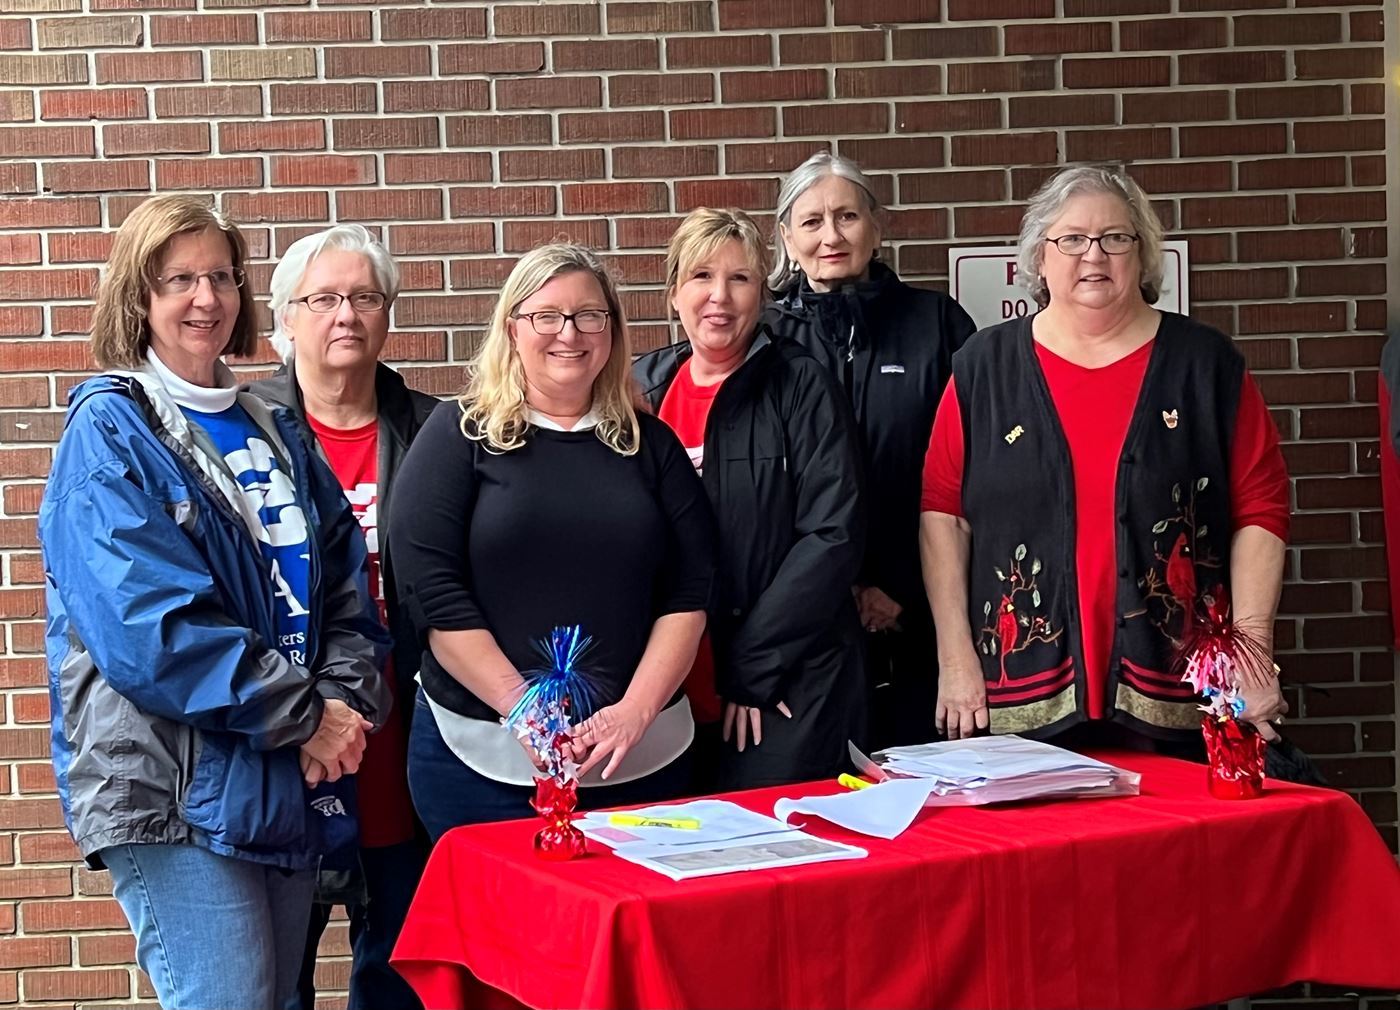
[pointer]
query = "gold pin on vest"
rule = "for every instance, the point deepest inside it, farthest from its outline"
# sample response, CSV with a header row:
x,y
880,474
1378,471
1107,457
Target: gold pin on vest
x,y
1170,419
1014,434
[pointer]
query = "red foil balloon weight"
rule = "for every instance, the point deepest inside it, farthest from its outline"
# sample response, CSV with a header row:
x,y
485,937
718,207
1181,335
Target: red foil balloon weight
x,y
555,801
1235,759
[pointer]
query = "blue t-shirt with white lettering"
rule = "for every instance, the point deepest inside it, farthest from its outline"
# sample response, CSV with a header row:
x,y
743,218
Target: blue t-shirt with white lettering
x,y
268,488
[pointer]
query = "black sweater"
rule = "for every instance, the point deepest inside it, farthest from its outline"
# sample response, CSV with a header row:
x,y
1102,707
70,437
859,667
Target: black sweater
x,y
561,531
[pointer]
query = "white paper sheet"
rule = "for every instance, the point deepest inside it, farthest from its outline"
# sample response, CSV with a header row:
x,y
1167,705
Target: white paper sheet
x,y
789,848
720,821
883,810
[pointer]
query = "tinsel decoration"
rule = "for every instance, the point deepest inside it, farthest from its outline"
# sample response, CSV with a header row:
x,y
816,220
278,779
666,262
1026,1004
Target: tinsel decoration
x,y
557,695
1218,659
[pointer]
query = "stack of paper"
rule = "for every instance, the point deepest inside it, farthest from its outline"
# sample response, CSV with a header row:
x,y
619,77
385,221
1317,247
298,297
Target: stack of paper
x,y
998,769
724,838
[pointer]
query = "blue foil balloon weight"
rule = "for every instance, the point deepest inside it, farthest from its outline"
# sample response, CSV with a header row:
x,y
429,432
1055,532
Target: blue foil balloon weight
x,y
557,697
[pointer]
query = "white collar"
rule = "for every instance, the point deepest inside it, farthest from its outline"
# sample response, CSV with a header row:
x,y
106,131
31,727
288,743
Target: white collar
x,y
589,420
205,399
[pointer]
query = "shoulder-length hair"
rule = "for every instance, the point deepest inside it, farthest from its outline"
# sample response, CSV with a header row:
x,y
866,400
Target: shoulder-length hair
x,y
296,261
1048,204
494,408
806,175
120,332
702,232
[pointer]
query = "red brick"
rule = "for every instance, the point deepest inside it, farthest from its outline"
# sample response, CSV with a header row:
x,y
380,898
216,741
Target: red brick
x,y
1367,26
972,222
502,201
1311,317
426,239
492,58
35,952
44,212
1174,106
1292,173
1243,285
20,321
388,204
149,68
208,173
723,124
432,25
377,61
1000,10
767,157
1068,37
15,34
20,250
296,206
715,51
886,12
320,26
1235,67
155,138
896,152
46,142
89,32
1001,75
1185,177
834,47
101,949
611,54
1174,34
204,29
1352,279
1281,245
631,197
1118,72
753,194
439,167
1253,138
17,178
92,103
549,93
377,134
321,99
277,135
79,246
877,82
1005,149
16,107
530,166
554,19
26,815
55,68
1350,135
323,170
842,118
1059,110
436,96
742,14
522,236
451,310
498,131
737,87
106,983
660,18
606,127
1368,170
1233,212
659,89
1290,102
1129,144
952,187
1287,29
96,177
1312,208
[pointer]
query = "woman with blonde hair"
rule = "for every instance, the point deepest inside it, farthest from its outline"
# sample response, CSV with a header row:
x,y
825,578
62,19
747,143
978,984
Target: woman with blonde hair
x,y
771,435
212,646
540,498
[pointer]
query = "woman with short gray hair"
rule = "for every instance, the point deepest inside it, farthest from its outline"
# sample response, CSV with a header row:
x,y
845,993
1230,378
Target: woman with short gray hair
x,y
1098,473
890,346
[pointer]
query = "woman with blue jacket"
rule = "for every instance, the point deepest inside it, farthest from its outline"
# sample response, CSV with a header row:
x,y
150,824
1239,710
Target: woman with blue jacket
x,y
213,658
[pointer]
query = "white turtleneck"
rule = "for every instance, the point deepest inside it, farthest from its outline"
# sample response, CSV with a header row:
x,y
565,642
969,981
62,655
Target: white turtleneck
x,y
204,399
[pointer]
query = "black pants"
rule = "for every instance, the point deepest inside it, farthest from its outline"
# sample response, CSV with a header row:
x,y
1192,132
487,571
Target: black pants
x,y
902,669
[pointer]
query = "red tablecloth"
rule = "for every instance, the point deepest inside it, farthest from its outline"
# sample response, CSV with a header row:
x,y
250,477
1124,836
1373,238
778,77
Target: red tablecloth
x,y
1170,898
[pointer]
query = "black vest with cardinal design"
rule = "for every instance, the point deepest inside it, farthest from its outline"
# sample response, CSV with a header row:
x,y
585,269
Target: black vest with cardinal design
x,y
1172,528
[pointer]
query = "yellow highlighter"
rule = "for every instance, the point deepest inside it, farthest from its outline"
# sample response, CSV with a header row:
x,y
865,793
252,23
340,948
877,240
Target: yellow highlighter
x,y
851,782
639,821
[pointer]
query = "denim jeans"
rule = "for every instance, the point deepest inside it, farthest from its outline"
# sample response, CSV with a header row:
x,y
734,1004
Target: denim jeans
x,y
213,932
447,794
391,875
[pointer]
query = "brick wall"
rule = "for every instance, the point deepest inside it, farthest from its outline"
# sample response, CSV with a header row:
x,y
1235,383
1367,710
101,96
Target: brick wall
x,y
468,133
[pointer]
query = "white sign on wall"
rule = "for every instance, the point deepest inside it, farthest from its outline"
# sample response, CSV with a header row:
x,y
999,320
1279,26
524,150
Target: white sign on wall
x,y
983,280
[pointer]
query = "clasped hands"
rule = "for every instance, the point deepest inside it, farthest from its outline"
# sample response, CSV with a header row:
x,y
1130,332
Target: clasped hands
x,y
337,746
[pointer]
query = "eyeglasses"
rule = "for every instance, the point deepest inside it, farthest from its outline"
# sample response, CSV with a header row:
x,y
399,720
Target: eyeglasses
x,y
329,301
223,279
547,324
1115,243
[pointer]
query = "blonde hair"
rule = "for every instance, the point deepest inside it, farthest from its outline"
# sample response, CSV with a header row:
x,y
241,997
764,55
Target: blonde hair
x,y
494,408
120,332
702,232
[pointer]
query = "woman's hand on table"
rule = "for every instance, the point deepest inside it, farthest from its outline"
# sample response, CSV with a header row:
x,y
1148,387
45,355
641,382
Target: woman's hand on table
x,y
608,732
741,721
961,709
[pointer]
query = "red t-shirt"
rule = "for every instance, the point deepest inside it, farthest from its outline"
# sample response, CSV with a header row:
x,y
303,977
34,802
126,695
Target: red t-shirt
x,y
386,811
685,409
1095,407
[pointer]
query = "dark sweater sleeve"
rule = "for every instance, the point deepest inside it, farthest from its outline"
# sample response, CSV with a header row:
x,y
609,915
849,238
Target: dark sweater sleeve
x,y
435,489
689,580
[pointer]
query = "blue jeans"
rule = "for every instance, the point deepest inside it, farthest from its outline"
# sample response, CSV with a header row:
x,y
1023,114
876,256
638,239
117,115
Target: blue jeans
x,y
213,932
448,794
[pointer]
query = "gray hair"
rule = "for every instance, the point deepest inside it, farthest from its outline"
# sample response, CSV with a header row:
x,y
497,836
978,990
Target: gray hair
x,y
806,175
1048,204
292,267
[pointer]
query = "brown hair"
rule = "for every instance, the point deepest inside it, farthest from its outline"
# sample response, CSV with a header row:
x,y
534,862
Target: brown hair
x,y
120,333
